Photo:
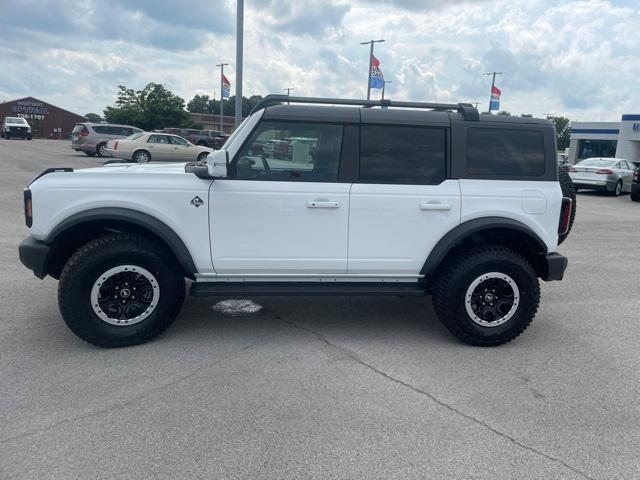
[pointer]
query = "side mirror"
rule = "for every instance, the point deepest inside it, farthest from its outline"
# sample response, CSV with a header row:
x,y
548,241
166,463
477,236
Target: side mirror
x,y
217,162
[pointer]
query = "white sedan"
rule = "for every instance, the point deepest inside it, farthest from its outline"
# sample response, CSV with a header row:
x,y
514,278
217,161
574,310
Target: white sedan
x,y
148,146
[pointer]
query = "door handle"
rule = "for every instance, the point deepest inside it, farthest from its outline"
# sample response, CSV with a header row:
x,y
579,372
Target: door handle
x,y
321,204
434,206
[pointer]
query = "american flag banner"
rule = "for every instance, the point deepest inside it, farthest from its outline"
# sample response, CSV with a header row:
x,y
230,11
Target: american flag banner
x,y
495,98
226,87
376,79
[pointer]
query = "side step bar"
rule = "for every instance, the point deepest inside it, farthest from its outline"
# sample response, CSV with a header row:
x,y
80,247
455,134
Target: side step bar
x,y
206,289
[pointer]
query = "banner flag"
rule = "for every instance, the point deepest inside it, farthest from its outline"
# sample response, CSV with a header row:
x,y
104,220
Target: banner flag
x,y
226,87
376,78
495,98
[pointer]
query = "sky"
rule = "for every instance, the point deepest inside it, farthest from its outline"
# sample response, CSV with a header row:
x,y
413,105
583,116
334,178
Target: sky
x,y
578,58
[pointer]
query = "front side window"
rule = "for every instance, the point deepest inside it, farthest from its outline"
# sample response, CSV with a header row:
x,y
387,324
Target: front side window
x,y
288,151
503,152
402,155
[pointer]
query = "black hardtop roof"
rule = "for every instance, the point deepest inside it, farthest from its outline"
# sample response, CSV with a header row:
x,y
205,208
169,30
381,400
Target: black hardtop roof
x,y
396,116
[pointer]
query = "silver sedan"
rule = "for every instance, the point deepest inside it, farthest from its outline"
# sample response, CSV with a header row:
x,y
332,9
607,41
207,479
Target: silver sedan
x,y
613,175
149,146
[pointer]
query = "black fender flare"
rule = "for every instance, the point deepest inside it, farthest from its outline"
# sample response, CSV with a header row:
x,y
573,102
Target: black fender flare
x,y
459,233
144,220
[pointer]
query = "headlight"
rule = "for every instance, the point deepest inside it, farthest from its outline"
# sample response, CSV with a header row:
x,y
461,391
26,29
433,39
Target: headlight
x,y
28,208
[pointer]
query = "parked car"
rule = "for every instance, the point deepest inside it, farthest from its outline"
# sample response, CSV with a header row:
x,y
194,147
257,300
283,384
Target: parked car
x,y
144,147
16,127
635,186
613,175
92,138
385,208
220,140
205,138
182,132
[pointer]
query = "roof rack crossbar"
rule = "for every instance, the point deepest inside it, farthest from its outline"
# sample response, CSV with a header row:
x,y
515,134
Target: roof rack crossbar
x,y
468,111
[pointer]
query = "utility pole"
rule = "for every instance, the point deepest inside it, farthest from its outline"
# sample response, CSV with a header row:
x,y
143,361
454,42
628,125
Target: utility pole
x,y
370,42
493,84
239,42
221,65
384,86
289,90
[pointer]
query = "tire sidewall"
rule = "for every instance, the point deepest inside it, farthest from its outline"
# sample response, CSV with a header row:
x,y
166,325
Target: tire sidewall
x,y
138,152
83,320
527,286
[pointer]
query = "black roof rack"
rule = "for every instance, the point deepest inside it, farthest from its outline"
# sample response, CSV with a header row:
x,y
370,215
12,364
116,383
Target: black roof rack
x,y
468,111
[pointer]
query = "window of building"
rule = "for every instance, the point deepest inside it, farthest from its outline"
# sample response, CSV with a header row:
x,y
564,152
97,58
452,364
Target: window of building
x,y
287,151
402,155
502,152
596,148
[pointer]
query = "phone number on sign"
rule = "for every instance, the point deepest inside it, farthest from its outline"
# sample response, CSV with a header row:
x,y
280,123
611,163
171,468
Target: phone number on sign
x,y
31,116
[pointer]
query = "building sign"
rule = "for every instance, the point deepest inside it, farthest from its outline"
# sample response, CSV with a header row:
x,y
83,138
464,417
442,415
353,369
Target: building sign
x,y
27,109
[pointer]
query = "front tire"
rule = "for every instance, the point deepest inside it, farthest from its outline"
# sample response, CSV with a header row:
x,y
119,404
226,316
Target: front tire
x,y
487,295
120,290
202,157
100,149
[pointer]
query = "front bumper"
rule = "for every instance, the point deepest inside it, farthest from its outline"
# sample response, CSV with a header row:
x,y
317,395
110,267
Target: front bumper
x,y
555,266
35,255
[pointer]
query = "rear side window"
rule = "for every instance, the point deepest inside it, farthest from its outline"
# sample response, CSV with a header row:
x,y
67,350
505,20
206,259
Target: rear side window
x,y
79,128
504,152
402,155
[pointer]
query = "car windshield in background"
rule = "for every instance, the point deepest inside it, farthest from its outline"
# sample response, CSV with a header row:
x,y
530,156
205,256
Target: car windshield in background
x,y
16,120
135,136
596,162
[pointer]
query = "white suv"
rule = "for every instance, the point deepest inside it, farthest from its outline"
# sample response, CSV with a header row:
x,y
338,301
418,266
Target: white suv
x,y
422,199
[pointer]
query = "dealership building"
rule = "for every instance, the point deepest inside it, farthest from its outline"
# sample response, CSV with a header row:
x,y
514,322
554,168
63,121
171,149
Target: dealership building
x,y
46,120
606,139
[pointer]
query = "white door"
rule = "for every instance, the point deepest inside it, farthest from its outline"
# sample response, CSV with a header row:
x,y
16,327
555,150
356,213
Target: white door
x,y
402,204
282,213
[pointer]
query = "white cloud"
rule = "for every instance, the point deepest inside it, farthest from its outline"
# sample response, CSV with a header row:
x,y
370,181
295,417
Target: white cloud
x,y
570,57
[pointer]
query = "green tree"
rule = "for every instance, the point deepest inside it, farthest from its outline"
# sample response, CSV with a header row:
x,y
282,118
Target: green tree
x,y
563,131
200,104
151,108
504,113
93,117
205,104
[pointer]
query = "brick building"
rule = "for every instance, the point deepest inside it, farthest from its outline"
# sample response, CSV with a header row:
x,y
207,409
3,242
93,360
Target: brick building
x,y
46,120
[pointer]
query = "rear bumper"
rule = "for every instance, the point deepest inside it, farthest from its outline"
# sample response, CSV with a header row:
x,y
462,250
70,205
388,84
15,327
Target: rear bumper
x,y
556,265
601,185
34,254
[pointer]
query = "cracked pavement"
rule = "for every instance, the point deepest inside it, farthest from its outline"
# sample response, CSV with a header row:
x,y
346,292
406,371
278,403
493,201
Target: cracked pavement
x,y
323,388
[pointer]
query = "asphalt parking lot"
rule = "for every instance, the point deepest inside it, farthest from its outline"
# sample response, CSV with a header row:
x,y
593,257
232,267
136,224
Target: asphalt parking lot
x,y
326,387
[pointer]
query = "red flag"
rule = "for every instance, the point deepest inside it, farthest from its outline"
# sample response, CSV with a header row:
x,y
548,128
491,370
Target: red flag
x,y
374,61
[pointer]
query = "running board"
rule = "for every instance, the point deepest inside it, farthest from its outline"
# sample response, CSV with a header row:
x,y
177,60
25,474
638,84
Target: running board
x,y
206,289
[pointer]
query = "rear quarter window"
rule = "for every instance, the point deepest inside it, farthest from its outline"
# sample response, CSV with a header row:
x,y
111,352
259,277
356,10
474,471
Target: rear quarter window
x,y
504,152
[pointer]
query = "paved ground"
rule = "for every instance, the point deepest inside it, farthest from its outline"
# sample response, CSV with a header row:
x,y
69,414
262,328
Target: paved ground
x,y
326,388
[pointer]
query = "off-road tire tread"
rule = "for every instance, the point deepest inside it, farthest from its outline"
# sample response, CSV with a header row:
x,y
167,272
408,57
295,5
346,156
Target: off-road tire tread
x,y
101,246
568,190
447,279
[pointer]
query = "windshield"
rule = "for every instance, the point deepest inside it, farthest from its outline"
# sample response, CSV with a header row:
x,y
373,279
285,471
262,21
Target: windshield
x,y
16,120
235,133
596,162
135,136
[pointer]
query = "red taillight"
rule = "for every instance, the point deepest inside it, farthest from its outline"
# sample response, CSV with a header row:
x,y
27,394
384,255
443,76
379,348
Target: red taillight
x,y
572,169
636,176
115,145
565,215
604,171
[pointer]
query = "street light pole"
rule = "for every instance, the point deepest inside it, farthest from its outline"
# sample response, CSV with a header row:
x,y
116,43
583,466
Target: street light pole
x,y
221,65
493,84
370,43
384,85
289,90
239,43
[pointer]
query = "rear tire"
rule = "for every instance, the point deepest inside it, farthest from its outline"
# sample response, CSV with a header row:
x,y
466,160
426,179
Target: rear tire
x,y
86,304
617,191
100,149
569,191
497,274
202,157
141,156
